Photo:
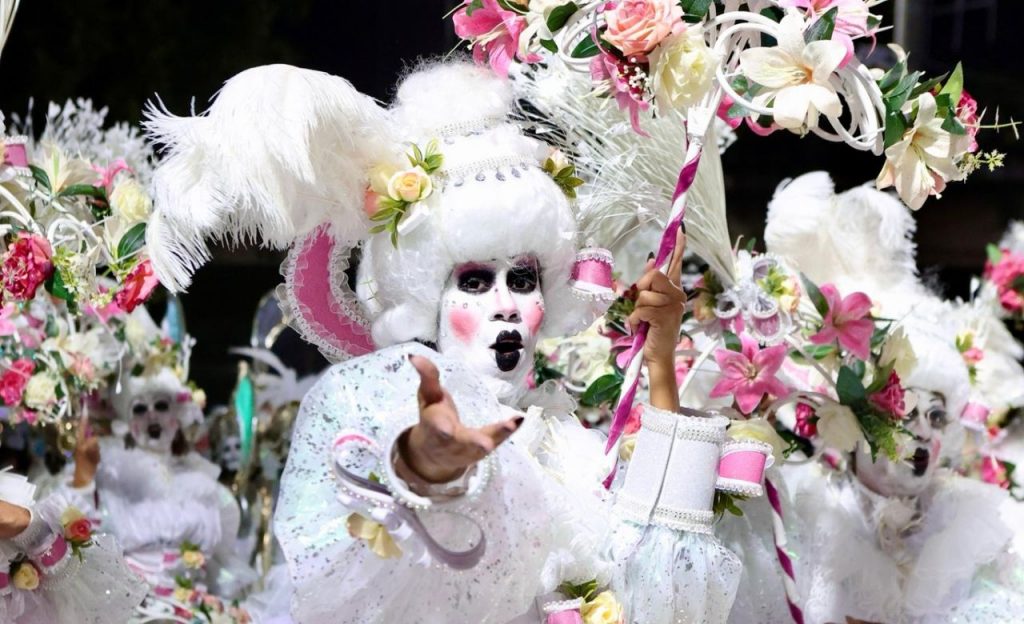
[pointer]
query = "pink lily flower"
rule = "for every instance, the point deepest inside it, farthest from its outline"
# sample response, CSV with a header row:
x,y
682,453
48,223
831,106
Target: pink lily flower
x,y
607,69
750,374
847,321
107,174
494,33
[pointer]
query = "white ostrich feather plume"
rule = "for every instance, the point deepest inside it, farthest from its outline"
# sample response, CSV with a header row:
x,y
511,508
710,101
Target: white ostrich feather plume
x,y
280,151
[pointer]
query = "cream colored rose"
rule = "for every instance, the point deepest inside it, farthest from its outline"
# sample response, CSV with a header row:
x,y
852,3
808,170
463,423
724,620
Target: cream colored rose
x,y
26,577
410,185
130,201
838,427
193,559
683,69
760,430
199,397
40,391
899,352
603,609
560,160
182,594
375,535
70,515
627,446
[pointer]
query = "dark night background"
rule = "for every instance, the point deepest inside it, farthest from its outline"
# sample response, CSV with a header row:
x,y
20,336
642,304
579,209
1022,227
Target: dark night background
x,y
120,53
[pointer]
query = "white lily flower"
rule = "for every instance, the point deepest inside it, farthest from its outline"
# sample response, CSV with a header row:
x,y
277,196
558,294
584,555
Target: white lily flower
x,y
794,76
923,161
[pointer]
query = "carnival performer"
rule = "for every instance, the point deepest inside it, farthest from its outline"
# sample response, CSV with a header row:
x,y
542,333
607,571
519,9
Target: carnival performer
x,y
426,482
877,539
145,485
54,567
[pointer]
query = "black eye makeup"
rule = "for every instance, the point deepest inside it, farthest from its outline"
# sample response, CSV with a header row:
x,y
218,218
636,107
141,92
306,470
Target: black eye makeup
x,y
475,279
523,279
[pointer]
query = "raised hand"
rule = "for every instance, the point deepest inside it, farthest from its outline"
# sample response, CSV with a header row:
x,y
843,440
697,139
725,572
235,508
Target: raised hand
x,y
661,303
440,448
86,455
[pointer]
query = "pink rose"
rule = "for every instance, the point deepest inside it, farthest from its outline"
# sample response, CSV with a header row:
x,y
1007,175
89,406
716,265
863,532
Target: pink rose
x,y
635,27
967,113
26,266
79,531
890,398
1004,274
137,287
14,379
806,421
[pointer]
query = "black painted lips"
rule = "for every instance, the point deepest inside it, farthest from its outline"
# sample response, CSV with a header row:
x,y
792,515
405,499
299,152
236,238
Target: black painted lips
x,y
508,349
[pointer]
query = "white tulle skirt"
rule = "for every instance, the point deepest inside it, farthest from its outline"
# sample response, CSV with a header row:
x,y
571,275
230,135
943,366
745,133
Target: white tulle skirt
x,y
98,590
666,576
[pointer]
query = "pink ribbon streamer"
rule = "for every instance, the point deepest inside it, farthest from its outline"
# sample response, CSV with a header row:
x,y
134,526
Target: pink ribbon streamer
x,y
784,561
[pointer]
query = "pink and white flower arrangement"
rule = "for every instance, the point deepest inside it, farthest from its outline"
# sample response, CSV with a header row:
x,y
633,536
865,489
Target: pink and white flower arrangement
x,y
847,322
26,266
750,373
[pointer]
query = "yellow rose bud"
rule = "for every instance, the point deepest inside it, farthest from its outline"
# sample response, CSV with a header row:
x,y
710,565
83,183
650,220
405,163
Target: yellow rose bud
x,y
410,185
627,446
193,559
26,577
182,594
603,609
130,201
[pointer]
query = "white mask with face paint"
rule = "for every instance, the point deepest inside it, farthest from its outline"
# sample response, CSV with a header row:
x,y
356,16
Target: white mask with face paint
x,y
154,422
910,476
491,313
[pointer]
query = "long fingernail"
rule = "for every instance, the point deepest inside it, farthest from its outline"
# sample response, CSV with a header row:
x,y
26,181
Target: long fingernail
x,y
682,226
650,256
518,421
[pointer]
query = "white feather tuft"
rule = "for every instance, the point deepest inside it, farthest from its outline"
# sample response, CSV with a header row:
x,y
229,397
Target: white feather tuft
x,y
281,151
860,240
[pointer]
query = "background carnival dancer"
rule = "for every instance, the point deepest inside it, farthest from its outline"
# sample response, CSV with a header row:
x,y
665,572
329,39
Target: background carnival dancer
x,y
467,241
54,567
146,485
882,538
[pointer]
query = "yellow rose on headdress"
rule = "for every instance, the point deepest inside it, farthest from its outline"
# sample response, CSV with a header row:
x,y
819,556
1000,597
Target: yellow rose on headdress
x,y
193,559
603,609
411,185
40,391
375,535
26,577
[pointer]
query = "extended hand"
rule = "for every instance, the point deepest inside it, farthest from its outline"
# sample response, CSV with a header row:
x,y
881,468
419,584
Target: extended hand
x,y
13,520
440,448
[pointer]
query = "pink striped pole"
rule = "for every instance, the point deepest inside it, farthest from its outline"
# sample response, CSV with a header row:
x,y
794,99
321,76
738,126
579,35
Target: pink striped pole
x,y
779,534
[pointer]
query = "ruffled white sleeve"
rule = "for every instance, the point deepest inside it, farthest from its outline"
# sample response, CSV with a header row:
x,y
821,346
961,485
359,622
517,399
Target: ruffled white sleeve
x,y
340,578
96,588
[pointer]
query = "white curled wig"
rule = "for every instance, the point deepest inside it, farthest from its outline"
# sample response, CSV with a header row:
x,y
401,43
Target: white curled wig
x,y
284,155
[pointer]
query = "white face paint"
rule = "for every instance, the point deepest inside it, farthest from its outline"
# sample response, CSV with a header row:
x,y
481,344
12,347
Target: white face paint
x,y
491,313
231,453
154,422
920,453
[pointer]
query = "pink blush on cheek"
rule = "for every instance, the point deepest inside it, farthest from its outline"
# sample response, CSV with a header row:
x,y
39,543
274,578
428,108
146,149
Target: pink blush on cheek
x,y
464,324
534,316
